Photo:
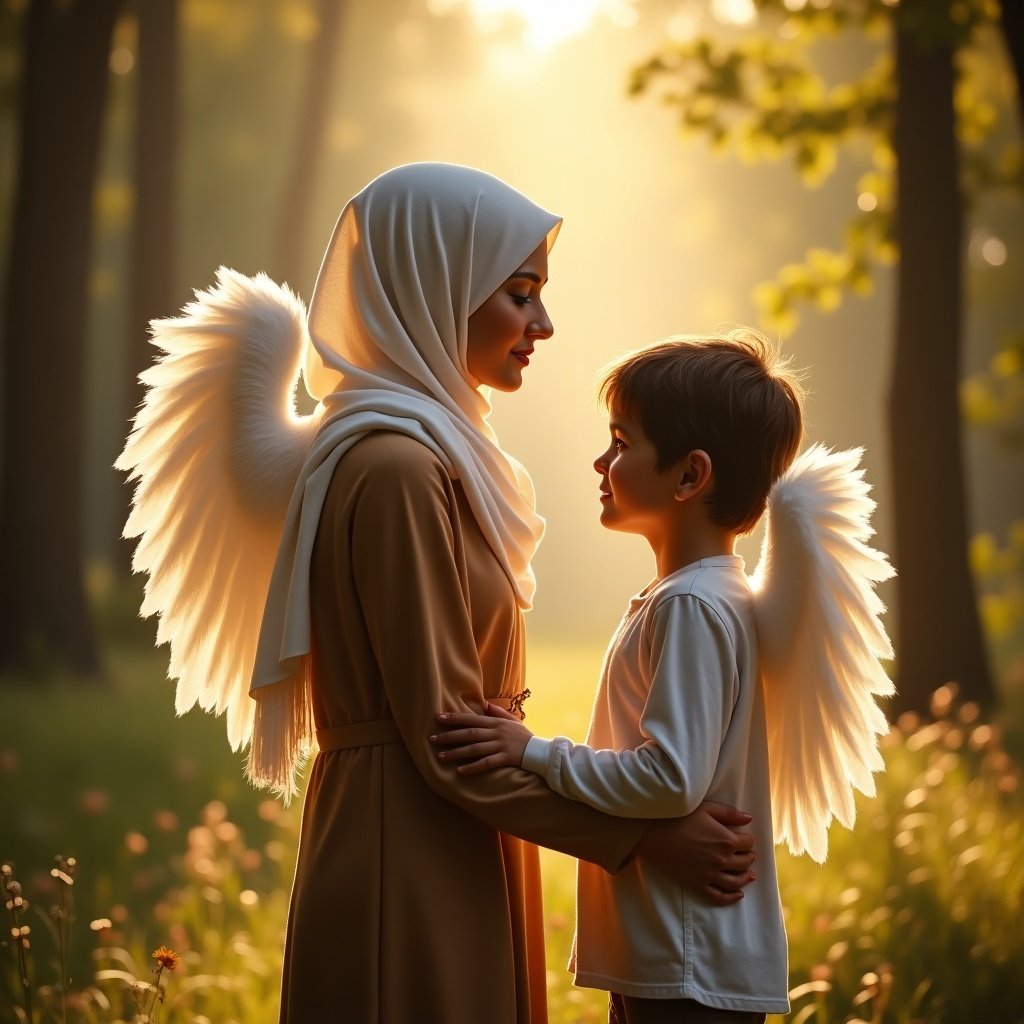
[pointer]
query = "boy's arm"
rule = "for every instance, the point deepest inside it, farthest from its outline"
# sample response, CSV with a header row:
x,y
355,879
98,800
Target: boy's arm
x,y
692,669
693,679
702,851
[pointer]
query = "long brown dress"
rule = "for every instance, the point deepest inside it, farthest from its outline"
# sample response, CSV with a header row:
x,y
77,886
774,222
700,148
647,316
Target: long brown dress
x,y
414,900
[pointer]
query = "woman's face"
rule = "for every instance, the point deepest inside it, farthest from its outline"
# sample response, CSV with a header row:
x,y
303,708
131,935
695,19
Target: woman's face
x,y
504,329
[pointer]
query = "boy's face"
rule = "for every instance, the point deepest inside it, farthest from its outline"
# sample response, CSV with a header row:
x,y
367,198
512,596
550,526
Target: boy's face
x,y
635,496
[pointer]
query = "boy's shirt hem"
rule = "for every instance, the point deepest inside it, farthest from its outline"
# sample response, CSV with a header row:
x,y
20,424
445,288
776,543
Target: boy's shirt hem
x,y
682,990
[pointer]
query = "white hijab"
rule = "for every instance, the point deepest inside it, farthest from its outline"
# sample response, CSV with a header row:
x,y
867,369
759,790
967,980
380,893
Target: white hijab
x,y
412,256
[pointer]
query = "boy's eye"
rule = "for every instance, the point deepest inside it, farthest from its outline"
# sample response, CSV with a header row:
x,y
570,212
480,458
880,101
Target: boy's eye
x,y
618,443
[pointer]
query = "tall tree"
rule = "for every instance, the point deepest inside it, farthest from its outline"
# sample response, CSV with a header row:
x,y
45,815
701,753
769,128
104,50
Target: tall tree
x,y
154,237
764,95
939,630
310,125
43,607
1011,20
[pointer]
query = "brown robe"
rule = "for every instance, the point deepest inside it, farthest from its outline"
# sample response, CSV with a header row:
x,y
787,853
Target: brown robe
x,y
415,898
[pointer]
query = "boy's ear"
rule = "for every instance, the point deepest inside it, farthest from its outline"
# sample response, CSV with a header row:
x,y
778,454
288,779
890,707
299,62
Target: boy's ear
x,y
693,474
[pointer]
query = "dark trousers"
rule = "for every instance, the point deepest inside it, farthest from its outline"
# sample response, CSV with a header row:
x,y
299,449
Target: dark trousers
x,y
631,1010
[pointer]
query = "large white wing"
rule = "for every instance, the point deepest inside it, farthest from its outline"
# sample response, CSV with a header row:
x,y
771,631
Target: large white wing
x,y
214,452
821,640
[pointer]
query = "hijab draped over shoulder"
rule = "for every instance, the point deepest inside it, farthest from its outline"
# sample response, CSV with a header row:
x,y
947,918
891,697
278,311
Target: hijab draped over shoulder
x,y
411,257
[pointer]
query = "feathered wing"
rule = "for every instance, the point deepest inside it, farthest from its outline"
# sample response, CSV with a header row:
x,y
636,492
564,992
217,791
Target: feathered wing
x,y
214,453
821,640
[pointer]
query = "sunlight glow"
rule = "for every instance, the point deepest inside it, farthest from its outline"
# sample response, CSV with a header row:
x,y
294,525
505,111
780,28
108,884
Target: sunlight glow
x,y
545,23
867,201
122,60
683,26
986,249
734,12
993,252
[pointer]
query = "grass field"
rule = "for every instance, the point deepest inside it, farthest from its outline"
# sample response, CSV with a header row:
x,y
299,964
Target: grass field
x,y
916,917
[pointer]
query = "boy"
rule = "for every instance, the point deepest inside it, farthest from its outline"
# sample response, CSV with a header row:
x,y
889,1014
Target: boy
x,y
700,431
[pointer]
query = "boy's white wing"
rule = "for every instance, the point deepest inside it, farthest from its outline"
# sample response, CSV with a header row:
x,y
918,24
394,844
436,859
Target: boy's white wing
x,y
214,452
821,640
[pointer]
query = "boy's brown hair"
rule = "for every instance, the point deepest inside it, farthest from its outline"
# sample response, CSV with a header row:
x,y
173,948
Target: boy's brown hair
x,y
732,396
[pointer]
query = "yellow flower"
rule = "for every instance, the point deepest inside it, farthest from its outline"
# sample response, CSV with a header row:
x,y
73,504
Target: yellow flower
x,y
166,958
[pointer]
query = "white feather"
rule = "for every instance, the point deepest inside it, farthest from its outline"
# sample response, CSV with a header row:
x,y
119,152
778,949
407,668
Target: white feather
x,y
215,451
821,641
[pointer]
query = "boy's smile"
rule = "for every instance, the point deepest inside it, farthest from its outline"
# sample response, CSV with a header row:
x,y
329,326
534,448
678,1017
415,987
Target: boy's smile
x,y
635,496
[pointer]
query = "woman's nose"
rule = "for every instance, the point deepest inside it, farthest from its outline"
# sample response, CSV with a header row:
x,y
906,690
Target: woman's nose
x,y
541,326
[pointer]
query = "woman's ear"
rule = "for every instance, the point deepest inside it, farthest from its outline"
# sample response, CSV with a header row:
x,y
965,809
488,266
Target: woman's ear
x,y
693,474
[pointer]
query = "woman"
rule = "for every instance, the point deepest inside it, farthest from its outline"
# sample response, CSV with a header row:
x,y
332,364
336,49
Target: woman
x,y
398,591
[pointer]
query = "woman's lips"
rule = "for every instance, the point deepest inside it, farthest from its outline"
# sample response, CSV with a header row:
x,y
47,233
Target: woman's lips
x,y
523,357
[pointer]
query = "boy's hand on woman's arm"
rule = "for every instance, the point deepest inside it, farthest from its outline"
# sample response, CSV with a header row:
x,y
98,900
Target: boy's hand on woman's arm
x,y
703,852
496,739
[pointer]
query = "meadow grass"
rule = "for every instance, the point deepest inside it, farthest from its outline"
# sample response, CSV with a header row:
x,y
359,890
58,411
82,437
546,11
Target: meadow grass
x,y
916,917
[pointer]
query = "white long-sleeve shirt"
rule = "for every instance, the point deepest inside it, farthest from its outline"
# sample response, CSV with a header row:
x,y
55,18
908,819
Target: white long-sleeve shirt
x,y
678,718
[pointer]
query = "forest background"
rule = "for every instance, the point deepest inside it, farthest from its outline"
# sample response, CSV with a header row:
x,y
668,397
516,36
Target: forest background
x,y
716,162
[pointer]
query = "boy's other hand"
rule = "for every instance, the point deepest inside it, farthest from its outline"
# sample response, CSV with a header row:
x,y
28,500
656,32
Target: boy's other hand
x,y
496,739
703,851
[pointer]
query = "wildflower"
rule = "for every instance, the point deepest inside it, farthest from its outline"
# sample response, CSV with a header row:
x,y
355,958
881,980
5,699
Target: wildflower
x,y
136,843
94,801
166,821
166,958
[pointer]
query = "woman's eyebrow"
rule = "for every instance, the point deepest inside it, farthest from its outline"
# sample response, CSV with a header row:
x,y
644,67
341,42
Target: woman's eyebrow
x,y
528,274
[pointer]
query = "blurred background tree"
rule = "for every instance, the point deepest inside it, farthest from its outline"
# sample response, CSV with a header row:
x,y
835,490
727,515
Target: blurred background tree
x,y
43,609
153,285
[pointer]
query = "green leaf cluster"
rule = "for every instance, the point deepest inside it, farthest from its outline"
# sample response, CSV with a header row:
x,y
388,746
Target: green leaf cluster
x,y
994,397
999,568
768,96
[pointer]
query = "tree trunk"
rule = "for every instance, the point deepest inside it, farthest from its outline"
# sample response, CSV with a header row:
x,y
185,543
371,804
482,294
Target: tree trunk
x,y
939,632
293,215
44,614
154,248
1011,19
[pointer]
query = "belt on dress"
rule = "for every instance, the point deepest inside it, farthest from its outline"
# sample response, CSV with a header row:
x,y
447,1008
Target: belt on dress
x,y
358,734
379,731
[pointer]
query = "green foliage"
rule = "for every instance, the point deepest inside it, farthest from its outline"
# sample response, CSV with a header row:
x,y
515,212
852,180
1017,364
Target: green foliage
x,y
999,570
770,95
914,918
994,398
222,913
